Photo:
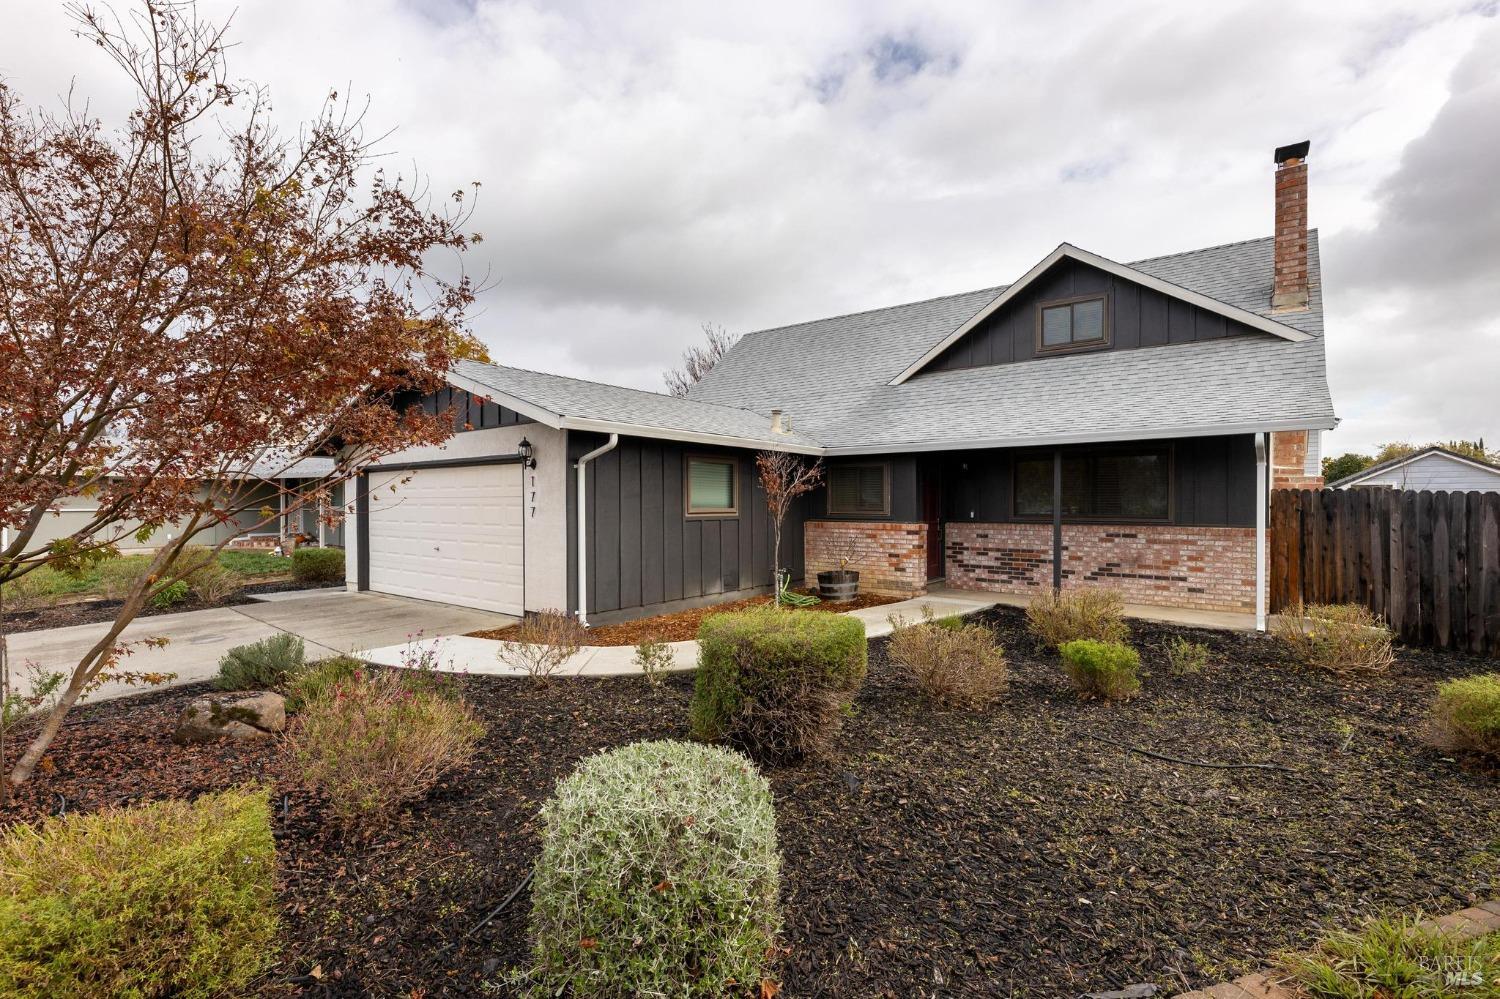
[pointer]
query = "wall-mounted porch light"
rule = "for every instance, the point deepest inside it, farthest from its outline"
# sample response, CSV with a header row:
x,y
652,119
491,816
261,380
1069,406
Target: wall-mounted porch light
x,y
526,451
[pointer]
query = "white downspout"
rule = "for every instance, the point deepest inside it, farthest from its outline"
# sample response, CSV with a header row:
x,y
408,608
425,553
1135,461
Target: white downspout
x,y
1262,459
583,550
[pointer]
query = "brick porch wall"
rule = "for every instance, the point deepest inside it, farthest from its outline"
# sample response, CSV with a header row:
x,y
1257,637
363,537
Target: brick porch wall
x,y
890,557
1212,568
1289,461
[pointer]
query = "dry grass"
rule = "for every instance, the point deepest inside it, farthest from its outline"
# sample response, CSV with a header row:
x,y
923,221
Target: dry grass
x,y
1056,618
1340,638
542,645
952,666
373,743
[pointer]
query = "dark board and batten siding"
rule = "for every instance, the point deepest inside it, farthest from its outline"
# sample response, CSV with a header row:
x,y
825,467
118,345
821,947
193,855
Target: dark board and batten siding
x,y
1136,317
645,554
1427,562
470,412
1213,482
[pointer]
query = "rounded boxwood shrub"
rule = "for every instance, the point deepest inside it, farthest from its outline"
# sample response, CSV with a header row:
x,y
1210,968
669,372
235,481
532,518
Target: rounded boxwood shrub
x,y
173,898
658,876
773,682
318,565
1108,670
1466,715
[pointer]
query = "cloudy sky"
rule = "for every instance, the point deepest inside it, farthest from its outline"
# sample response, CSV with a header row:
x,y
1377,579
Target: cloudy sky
x,y
648,167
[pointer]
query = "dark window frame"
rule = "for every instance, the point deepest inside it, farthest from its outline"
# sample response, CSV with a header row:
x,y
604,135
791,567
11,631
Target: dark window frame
x,y
728,513
885,474
1073,346
1169,450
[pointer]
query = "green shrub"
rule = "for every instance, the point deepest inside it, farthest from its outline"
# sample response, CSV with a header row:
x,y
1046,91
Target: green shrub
x,y
772,682
959,666
261,665
171,595
1108,670
1398,958
1186,657
318,679
373,743
1340,638
658,876
1466,715
174,898
318,565
1056,617
654,658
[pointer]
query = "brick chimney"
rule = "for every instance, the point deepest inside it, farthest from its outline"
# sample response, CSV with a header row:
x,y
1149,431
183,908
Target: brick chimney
x,y
1289,290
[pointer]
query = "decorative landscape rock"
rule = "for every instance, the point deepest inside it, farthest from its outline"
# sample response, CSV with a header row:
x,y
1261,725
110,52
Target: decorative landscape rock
x,y
231,716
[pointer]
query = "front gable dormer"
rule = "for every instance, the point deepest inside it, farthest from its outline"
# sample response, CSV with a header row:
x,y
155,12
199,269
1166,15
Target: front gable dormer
x,y
1074,301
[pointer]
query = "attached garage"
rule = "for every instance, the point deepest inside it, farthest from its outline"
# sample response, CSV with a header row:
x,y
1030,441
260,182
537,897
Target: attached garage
x,y
449,533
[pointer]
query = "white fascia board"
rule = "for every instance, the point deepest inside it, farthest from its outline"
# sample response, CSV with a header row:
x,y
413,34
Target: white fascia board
x,y
1089,437
1118,270
691,436
535,412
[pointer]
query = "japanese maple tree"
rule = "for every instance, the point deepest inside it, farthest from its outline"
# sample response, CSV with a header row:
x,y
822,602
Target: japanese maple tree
x,y
190,301
783,478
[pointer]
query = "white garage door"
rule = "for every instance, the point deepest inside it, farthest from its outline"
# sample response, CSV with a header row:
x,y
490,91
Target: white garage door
x,y
449,534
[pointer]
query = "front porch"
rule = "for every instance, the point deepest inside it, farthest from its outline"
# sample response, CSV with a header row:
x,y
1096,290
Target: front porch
x,y
1171,524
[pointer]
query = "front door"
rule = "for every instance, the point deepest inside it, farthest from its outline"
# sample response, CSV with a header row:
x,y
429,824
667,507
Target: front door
x,y
932,516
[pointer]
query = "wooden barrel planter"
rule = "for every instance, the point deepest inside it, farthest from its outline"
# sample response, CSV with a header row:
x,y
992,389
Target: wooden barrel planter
x,y
838,586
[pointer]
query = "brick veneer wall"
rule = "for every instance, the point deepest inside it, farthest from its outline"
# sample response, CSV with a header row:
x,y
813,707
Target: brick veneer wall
x,y
891,557
1289,461
1212,568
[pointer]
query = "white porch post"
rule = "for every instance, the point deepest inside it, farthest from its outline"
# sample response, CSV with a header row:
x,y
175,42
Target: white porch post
x,y
1262,502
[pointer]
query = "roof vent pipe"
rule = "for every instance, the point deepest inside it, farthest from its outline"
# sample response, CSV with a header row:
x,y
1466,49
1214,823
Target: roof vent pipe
x,y
778,426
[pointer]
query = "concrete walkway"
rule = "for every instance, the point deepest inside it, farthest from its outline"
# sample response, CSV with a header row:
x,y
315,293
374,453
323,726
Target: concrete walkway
x,y
462,654
330,622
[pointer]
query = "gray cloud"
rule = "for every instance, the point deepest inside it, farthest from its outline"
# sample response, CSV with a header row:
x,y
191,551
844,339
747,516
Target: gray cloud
x,y
1418,287
648,167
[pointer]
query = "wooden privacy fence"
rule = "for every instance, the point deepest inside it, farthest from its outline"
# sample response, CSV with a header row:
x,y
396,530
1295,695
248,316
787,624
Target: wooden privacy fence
x,y
1428,562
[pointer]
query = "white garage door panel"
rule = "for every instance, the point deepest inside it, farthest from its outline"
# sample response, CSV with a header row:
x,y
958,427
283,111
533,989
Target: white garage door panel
x,y
449,534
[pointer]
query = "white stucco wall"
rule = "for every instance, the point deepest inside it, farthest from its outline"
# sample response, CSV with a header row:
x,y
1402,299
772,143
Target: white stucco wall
x,y
1433,472
545,511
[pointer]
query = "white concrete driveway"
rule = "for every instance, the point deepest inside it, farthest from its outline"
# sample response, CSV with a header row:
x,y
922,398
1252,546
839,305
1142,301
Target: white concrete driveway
x,y
329,622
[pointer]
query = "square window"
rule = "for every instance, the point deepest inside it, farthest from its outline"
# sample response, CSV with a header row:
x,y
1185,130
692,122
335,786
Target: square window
x,y
859,490
712,486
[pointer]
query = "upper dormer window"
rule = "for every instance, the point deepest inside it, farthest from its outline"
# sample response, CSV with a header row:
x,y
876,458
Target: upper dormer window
x,y
1071,324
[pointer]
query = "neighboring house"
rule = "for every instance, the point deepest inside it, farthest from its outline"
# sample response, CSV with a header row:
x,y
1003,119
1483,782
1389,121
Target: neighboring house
x,y
1165,396
77,511
1435,468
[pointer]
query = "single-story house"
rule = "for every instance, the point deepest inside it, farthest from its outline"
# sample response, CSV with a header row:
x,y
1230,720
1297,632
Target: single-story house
x,y
1093,423
1435,468
262,488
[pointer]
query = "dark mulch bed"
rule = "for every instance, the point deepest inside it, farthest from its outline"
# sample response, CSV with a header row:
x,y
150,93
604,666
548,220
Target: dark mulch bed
x,y
943,854
65,615
682,626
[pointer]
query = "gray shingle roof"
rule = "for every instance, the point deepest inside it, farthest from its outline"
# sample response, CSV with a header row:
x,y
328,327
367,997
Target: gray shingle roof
x,y
831,377
584,400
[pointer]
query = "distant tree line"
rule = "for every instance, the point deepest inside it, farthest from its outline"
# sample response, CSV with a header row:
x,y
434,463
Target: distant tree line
x,y
1350,463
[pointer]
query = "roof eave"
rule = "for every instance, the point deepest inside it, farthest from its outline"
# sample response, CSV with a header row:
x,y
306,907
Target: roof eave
x,y
1068,250
1318,422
